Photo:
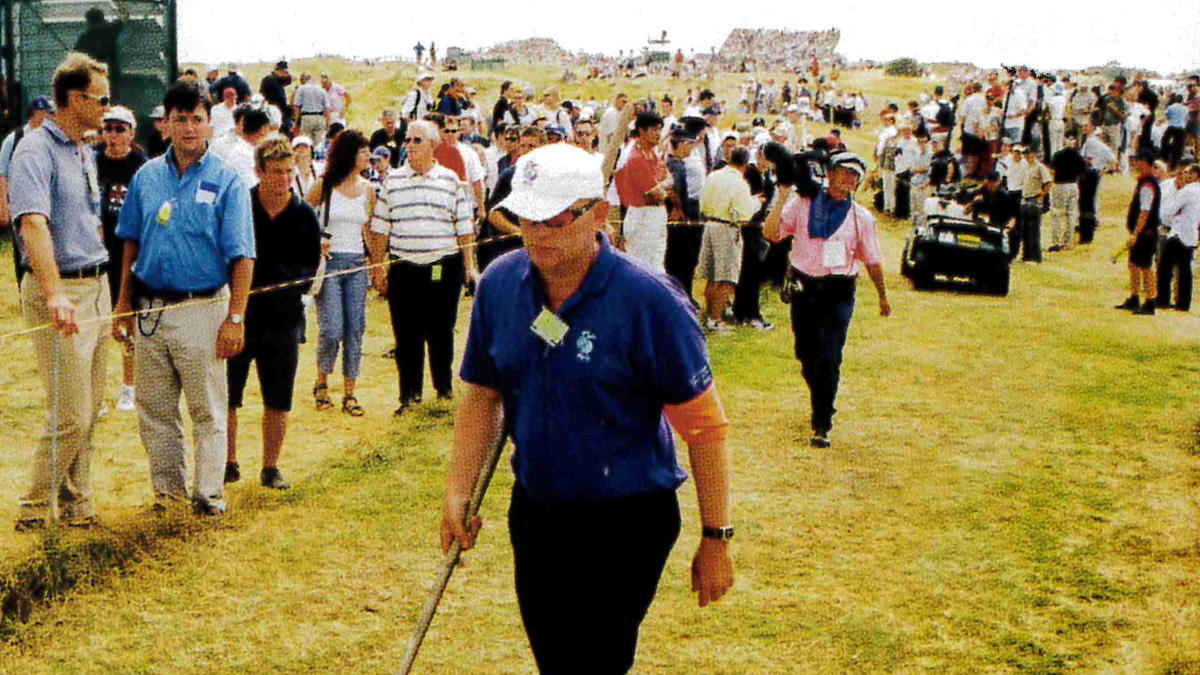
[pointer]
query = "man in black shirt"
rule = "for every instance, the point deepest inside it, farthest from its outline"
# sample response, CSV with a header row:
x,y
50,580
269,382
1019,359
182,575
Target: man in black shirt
x,y
288,240
272,89
235,81
391,136
1068,167
116,161
997,204
747,309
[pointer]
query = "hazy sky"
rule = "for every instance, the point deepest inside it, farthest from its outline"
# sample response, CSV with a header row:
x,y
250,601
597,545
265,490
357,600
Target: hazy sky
x,y
1043,33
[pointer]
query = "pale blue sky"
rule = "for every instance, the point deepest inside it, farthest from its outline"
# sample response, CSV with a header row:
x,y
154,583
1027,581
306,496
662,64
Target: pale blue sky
x,y
1043,33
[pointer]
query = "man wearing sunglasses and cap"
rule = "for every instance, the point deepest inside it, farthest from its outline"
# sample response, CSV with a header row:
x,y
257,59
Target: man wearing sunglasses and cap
x,y
589,356
40,110
834,235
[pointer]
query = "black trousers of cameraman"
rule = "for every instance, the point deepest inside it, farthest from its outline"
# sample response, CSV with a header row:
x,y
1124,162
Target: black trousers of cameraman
x,y
1172,146
746,296
1176,261
821,313
1089,184
683,253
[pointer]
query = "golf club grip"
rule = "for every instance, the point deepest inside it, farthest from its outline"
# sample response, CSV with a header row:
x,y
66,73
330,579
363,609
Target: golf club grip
x,y
451,560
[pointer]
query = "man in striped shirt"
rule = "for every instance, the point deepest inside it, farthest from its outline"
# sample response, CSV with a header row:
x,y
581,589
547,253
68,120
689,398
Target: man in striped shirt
x,y
422,218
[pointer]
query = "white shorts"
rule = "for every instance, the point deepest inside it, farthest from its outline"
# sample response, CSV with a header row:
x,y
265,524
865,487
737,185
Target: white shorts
x,y
645,229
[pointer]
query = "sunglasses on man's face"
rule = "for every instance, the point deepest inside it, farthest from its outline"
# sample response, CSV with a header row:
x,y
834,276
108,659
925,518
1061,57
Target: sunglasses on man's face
x,y
450,131
102,100
566,217
116,128
512,139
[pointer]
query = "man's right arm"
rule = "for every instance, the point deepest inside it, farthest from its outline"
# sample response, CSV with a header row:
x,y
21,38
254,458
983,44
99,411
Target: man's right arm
x,y
477,426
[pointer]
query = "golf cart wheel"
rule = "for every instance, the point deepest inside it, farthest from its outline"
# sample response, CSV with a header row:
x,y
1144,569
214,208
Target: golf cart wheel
x,y
921,279
998,285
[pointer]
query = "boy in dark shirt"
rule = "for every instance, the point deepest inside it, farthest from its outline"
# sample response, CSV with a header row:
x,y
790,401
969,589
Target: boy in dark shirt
x,y
1067,166
288,241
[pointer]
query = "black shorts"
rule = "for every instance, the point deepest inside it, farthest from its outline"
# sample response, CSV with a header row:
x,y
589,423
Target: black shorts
x,y
1141,255
277,354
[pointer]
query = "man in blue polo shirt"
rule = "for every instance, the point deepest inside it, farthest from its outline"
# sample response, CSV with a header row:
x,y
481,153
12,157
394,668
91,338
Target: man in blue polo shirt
x,y
189,255
588,355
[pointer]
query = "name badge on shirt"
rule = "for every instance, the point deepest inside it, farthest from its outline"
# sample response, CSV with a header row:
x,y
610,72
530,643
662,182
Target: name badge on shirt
x,y
206,193
834,255
164,214
435,273
549,328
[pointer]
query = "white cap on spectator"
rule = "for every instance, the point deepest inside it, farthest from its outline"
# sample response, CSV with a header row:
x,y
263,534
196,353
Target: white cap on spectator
x,y
301,140
550,179
792,108
119,113
158,113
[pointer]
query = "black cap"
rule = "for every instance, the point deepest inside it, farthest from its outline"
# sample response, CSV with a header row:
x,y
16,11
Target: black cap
x,y
282,65
1147,155
995,175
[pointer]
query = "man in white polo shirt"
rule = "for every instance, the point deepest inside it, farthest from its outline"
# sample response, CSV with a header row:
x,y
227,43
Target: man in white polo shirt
x,y
422,218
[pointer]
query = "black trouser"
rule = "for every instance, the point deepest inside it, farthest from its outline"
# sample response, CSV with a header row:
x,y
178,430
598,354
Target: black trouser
x,y
1028,232
746,294
1176,259
821,314
1089,184
423,312
1173,141
683,252
776,265
586,572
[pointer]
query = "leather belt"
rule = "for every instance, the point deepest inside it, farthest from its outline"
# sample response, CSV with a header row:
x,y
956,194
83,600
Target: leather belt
x,y
85,272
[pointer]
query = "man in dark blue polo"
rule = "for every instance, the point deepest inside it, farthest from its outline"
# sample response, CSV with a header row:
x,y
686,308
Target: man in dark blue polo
x,y
587,355
54,194
189,257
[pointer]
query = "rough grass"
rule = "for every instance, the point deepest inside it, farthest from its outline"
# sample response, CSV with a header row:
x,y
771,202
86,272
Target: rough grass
x,y
1012,488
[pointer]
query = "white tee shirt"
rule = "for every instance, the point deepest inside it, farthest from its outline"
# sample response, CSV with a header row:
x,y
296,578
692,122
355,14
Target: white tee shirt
x,y
239,155
222,122
1181,213
1057,105
1016,106
972,113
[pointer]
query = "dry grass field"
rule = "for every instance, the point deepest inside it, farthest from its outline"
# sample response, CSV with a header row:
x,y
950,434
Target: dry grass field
x,y
1014,486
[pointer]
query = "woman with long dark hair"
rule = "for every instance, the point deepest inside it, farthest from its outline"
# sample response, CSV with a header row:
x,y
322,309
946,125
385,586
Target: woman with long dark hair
x,y
344,204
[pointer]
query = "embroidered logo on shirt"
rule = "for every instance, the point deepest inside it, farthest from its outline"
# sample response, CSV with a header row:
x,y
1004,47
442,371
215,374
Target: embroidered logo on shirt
x,y
585,344
530,172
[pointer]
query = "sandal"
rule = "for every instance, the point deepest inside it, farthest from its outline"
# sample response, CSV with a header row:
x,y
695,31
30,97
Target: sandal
x,y
321,396
351,407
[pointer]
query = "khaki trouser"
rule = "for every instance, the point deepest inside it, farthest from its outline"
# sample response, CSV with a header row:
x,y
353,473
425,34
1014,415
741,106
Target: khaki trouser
x,y
889,189
80,392
1064,213
177,353
917,194
1057,130
313,126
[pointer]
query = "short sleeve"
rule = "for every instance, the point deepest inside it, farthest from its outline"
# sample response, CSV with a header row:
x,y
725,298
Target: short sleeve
x,y
29,180
237,222
789,219
868,250
745,204
681,370
1146,198
464,224
6,153
380,224
478,367
129,222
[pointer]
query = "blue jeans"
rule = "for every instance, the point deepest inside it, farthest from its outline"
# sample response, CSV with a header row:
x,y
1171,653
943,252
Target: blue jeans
x,y
342,309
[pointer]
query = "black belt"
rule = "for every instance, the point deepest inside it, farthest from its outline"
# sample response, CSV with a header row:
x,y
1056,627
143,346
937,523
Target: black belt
x,y
313,113
85,272
170,297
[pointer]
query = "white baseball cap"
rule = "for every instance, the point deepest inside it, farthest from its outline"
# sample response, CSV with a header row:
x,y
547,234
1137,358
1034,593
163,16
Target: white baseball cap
x,y
550,179
119,113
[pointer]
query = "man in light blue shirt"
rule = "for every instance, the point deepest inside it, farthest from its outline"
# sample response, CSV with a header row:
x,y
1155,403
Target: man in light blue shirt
x,y
189,257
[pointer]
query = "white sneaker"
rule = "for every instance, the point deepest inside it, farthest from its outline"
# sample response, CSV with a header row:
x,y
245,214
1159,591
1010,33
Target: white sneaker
x,y
715,327
103,411
126,401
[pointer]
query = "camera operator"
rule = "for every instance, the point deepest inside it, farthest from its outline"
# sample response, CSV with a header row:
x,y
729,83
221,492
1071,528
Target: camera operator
x,y
994,202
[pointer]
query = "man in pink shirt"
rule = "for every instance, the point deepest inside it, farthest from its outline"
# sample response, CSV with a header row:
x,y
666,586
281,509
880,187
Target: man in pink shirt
x,y
833,235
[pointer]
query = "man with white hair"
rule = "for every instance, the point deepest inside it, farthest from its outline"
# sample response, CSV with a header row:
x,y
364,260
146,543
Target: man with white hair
x,y
551,327
554,113
422,221
337,99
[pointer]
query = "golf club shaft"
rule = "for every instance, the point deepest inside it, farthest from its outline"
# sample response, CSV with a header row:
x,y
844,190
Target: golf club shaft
x,y
451,560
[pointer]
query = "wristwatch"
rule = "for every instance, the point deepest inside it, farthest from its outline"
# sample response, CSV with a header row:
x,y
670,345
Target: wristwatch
x,y
718,533
235,319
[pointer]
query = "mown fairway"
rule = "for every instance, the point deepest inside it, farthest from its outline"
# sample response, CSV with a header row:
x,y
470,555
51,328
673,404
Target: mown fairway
x,y
1013,487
